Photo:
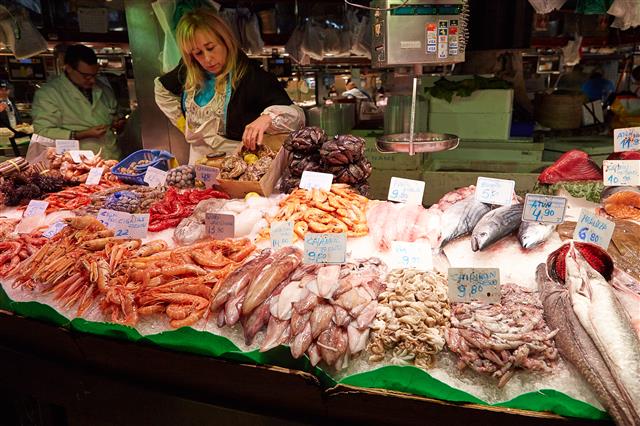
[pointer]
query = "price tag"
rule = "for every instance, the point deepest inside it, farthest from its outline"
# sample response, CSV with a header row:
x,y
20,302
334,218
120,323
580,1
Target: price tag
x,y
35,138
207,175
411,255
125,225
310,180
76,155
35,208
325,248
544,209
593,229
281,234
64,145
469,284
53,230
621,172
155,177
95,174
406,190
626,139
220,226
495,191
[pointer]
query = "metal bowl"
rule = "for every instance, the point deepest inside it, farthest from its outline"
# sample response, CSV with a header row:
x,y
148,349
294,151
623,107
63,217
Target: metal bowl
x,y
422,142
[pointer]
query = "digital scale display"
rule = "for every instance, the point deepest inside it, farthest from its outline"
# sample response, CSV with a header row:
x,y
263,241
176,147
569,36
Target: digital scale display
x,y
427,10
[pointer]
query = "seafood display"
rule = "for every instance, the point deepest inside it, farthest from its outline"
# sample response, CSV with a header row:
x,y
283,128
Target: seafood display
x,y
412,316
343,156
18,189
339,210
182,177
76,197
15,250
574,165
622,202
175,206
247,165
532,234
125,198
418,224
498,339
79,171
496,225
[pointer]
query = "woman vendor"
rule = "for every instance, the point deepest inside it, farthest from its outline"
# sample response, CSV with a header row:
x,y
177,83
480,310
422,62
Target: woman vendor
x,y
224,95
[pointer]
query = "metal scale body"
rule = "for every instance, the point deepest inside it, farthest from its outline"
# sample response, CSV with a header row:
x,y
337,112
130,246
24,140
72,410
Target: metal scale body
x,y
416,34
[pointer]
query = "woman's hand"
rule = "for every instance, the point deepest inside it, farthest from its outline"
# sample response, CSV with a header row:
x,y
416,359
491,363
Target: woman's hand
x,y
254,131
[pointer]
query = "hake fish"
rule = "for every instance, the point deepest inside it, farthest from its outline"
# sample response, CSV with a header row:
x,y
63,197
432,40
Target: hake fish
x,y
575,345
532,234
496,225
461,218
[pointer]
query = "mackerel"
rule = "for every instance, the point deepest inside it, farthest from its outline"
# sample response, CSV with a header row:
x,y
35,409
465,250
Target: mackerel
x,y
461,218
496,225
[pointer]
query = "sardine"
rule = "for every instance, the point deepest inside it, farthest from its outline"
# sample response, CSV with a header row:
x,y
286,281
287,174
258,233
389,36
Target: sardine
x,y
575,345
496,225
532,234
603,318
461,218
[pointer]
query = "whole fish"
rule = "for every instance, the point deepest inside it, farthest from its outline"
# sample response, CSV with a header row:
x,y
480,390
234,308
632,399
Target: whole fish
x,y
603,318
496,225
575,346
532,234
627,291
461,218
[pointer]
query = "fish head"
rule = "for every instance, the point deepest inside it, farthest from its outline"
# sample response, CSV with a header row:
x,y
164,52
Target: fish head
x,y
578,256
478,240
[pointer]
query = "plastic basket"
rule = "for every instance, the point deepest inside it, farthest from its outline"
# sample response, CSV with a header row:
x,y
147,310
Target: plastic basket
x,y
157,158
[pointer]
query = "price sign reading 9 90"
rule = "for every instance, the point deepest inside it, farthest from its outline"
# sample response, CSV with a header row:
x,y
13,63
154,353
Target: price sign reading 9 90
x,y
469,284
411,255
544,209
325,248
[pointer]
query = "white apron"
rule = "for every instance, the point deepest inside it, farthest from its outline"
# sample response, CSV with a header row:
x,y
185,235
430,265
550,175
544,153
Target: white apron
x,y
204,127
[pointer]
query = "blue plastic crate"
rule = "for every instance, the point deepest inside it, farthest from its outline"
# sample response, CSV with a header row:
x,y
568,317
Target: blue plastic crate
x,y
157,158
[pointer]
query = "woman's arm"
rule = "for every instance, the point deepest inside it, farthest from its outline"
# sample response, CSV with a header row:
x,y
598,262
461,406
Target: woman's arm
x,y
169,103
284,118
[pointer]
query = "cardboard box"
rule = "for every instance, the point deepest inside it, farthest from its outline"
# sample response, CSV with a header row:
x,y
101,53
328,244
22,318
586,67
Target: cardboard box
x,y
238,189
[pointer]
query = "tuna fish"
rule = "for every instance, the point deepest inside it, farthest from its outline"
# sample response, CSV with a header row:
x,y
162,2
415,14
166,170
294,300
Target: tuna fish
x,y
572,166
496,225
532,234
461,218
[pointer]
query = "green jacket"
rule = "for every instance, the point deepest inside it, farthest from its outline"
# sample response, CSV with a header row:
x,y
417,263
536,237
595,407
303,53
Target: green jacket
x,y
59,108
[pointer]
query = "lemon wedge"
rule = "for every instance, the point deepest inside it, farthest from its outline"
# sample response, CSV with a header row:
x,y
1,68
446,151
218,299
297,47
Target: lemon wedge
x,y
251,195
250,158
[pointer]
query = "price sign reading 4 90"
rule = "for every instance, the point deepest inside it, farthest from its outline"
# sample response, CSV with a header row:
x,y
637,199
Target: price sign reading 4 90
x,y
469,284
544,209
621,172
593,229
325,248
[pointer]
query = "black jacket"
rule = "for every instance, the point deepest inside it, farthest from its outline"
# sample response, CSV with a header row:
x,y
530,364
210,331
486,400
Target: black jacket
x,y
4,117
257,90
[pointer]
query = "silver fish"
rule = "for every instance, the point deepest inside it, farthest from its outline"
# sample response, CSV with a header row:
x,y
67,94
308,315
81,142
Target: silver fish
x,y
531,234
496,225
575,345
461,218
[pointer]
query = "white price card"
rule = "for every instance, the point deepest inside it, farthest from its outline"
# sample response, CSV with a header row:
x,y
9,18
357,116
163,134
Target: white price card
x,y
627,139
64,145
495,191
544,209
407,255
310,180
207,175
593,229
220,226
155,177
35,138
406,190
94,176
35,208
281,233
125,225
621,172
76,155
325,248
469,284
53,230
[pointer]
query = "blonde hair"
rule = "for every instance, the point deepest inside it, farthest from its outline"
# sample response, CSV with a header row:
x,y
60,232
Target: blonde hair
x,y
207,21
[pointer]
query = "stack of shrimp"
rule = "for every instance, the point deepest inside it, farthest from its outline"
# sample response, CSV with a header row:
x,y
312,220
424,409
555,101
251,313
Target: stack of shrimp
x,y
340,210
76,197
79,172
15,250
179,282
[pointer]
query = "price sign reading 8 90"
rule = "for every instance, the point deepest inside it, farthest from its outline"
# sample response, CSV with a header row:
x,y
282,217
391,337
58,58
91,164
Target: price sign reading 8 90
x,y
325,248
469,284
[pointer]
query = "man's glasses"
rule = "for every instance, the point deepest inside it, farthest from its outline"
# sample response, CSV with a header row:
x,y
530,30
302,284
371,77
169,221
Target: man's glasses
x,y
86,75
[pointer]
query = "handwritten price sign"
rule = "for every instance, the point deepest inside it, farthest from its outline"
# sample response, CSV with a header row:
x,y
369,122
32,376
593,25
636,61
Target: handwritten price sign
x,y
544,209
77,155
495,191
325,248
411,255
310,180
626,139
281,234
469,284
53,230
593,229
36,208
406,191
220,226
621,172
125,225
64,145
207,175
95,174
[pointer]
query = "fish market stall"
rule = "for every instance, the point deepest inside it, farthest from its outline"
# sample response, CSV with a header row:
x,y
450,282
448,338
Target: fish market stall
x,y
339,298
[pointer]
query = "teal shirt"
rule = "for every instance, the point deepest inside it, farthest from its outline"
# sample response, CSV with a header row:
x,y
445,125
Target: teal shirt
x,y
204,95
